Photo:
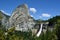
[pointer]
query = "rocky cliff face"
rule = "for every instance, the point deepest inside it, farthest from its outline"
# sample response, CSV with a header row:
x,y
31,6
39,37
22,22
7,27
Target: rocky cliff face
x,y
3,18
21,18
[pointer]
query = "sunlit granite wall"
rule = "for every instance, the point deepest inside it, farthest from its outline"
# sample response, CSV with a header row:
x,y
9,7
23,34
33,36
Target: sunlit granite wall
x,y
21,18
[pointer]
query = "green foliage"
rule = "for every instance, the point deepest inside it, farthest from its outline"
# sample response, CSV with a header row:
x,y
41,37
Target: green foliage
x,y
11,30
57,28
54,19
2,36
1,17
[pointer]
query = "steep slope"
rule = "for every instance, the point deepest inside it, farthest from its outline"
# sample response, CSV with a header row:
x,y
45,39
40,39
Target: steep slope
x,y
3,15
3,18
54,20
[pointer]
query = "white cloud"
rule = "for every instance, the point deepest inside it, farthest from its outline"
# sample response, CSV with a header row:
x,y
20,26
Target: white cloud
x,y
5,12
46,15
31,15
40,16
33,10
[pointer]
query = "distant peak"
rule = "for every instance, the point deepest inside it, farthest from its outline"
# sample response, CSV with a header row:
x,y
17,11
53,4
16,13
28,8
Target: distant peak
x,y
5,12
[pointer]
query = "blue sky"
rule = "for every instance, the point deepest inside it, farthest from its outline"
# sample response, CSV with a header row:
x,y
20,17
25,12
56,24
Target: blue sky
x,y
39,9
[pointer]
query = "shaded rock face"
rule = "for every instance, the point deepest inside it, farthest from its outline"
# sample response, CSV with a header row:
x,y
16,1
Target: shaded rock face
x,y
21,19
3,19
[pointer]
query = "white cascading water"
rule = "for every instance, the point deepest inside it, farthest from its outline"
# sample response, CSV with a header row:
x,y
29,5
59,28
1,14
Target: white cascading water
x,y
40,30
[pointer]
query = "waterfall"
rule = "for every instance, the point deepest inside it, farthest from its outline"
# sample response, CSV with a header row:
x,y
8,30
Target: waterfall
x,y
40,30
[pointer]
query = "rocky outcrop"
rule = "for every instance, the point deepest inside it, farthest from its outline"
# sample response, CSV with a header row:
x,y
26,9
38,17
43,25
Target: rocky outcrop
x,y
21,19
